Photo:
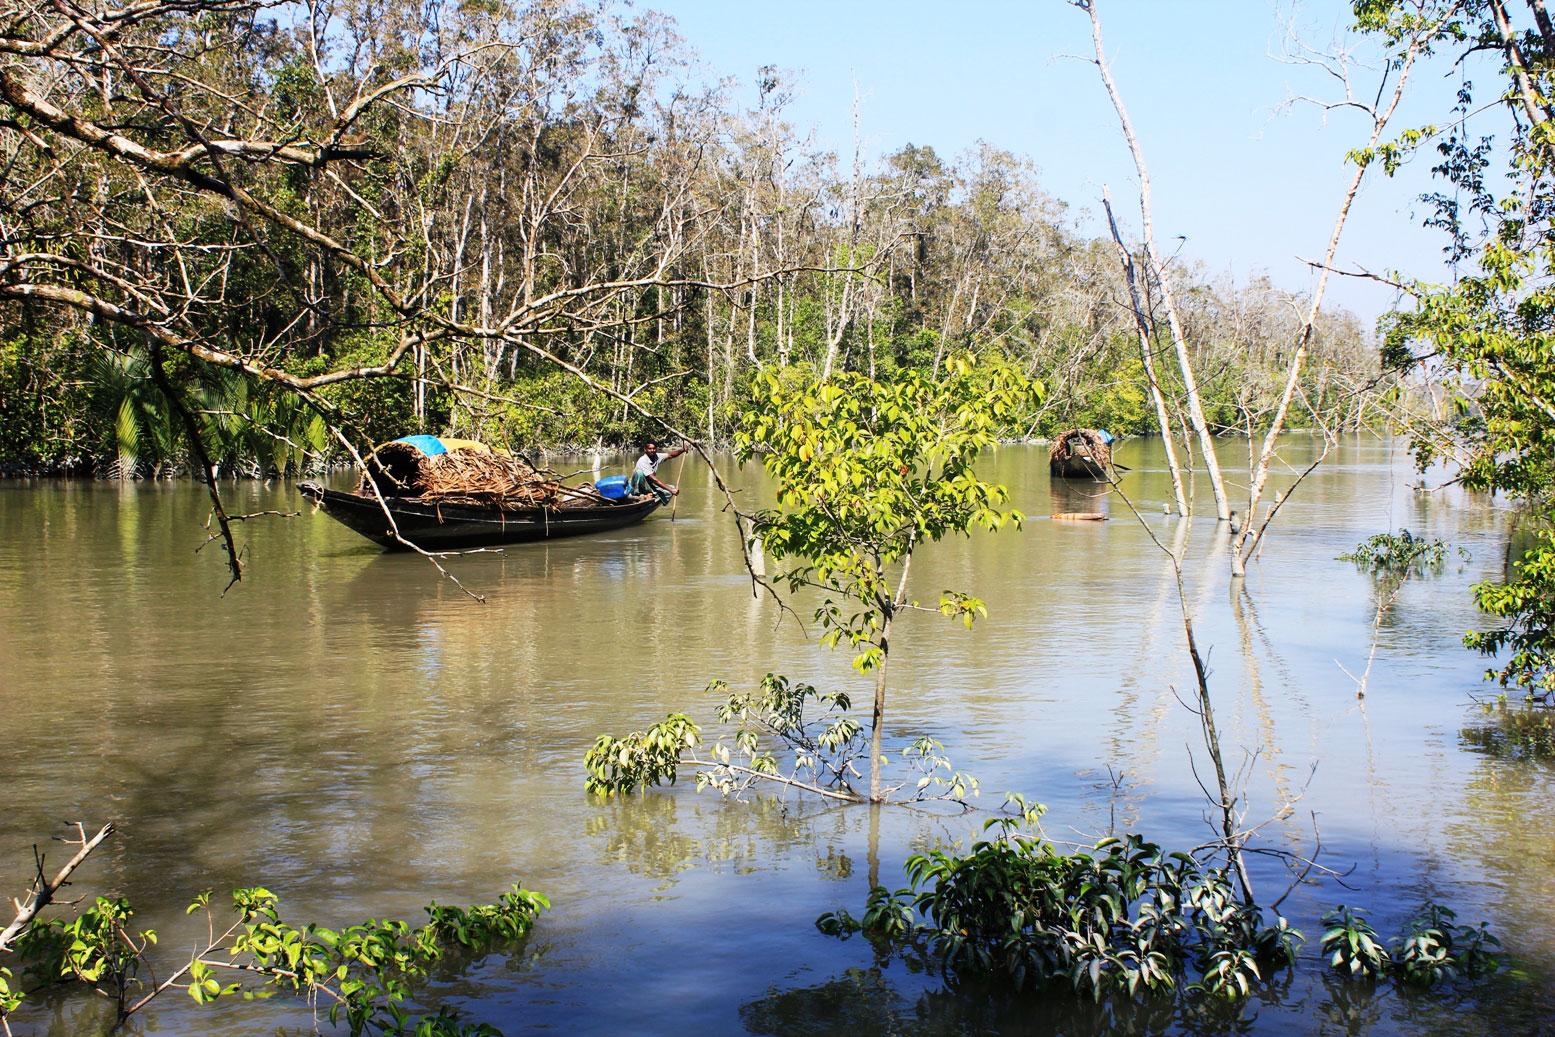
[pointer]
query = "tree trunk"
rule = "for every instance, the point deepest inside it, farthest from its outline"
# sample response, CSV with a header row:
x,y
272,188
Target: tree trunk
x,y
1246,540
877,720
1152,257
1142,327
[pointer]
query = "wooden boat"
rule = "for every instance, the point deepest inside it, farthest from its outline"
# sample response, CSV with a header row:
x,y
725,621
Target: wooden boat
x,y
1080,453
434,526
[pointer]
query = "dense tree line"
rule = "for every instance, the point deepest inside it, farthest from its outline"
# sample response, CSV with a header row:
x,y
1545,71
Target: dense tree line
x,y
282,227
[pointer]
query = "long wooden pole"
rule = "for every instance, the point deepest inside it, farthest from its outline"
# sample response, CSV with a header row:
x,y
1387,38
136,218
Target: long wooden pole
x,y
680,470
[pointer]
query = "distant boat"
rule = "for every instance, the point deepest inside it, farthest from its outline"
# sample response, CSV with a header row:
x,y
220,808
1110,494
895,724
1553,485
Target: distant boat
x,y
434,526
1081,453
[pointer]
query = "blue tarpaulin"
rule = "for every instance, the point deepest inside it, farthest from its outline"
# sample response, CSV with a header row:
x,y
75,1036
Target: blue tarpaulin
x,y
429,445
1106,437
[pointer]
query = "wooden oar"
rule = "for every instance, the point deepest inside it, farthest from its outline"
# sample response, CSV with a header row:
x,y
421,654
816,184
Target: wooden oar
x,y
680,470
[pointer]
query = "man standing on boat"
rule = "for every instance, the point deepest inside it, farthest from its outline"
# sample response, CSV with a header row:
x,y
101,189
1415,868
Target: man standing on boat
x,y
645,477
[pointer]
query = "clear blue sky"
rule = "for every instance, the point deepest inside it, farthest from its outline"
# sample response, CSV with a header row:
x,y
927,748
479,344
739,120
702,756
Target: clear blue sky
x,y
1251,186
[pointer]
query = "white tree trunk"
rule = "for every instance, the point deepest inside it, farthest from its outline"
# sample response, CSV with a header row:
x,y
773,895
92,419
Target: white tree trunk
x,y
1246,540
1152,257
1142,328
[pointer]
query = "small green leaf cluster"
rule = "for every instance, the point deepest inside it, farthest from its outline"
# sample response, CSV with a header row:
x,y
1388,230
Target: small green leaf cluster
x,y
99,944
1352,946
820,736
641,759
1392,153
1432,949
365,969
1398,554
98,947
1124,919
10,999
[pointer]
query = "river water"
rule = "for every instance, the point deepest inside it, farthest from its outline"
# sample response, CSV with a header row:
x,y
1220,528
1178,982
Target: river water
x,y
353,732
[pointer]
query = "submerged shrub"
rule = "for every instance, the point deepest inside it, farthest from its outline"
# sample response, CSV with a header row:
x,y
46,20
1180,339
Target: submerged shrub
x,y
1434,948
365,973
1352,945
1397,554
1124,918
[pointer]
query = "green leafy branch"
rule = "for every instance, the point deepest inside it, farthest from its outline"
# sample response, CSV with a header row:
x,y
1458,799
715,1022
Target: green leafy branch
x,y
782,733
364,971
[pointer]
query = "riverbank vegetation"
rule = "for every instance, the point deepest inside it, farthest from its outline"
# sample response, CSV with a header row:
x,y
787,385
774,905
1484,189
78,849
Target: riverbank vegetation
x,y
524,224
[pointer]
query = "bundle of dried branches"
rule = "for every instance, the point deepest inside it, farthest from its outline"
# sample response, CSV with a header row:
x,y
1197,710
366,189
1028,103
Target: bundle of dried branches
x,y
472,477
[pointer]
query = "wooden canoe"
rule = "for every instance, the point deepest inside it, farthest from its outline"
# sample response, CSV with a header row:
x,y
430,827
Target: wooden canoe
x,y
452,527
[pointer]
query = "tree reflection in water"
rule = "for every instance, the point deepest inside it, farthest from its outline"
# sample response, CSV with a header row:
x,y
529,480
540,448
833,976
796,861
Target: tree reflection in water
x,y
865,1002
647,834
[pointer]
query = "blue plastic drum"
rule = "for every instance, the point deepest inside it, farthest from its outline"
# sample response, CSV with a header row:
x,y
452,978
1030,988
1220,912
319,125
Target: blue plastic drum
x,y
612,487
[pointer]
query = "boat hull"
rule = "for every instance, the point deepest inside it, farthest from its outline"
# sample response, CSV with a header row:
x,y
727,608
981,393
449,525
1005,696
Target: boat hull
x,y
453,527
1078,466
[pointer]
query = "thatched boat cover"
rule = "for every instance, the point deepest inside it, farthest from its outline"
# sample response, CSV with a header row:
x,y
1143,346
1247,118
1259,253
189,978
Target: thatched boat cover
x,y
1081,451
464,472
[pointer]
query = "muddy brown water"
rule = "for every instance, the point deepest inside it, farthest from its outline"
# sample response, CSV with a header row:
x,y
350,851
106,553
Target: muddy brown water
x,y
349,730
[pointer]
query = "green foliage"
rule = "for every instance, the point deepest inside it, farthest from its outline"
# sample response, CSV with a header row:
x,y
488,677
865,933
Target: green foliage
x,y
1527,604
143,424
1432,949
364,972
1435,949
1125,919
10,999
641,759
866,471
45,406
258,426
786,731
1398,554
1352,946
810,737
1392,153
1487,336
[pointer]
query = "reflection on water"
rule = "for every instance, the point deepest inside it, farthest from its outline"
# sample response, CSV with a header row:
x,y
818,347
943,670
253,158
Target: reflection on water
x,y
353,732
1516,733
647,834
